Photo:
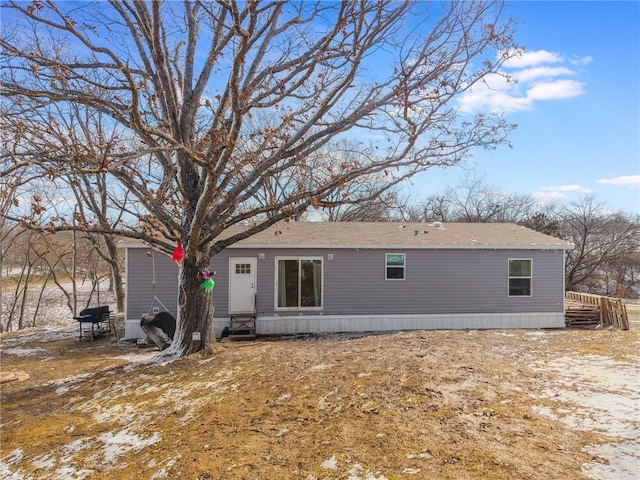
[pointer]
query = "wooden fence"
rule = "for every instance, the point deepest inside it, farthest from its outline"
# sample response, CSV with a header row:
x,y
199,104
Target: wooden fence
x,y
610,311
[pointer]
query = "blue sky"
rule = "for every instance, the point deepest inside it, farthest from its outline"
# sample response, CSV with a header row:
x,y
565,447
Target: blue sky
x,y
576,103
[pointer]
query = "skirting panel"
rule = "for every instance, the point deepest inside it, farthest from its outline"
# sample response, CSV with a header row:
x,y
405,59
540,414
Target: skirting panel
x,y
282,325
132,329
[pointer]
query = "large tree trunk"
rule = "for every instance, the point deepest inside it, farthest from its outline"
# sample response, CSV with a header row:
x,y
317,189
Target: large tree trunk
x,y
195,312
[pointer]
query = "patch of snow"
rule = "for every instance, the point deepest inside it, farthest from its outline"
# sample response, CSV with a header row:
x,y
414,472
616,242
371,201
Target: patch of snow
x,y
183,399
123,413
48,462
144,357
45,462
373,476
536,333
77,446
22,352
321,366
330,464
123,442
184,393
45,334
69,383
147,389
618,470
410,471
71,473
283,397
354,474
355,471
13,457
163,473
206,360
607,395
422,455
323,403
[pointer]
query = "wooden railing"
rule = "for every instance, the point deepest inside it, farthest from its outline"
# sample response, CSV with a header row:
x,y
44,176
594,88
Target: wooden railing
x,y
612,311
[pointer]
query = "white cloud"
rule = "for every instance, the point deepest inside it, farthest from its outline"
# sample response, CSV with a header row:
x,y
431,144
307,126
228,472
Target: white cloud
x,y
580,62
494,96
558,193
549,197
541,75
566,188
630,181
542,72
528,59
557,89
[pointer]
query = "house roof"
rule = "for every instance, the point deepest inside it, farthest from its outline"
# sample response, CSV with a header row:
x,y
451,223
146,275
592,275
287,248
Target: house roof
x,y
400,235
395,235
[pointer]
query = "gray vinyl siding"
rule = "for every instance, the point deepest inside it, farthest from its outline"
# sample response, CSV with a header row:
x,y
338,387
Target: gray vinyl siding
x,y
139,286
441,281
437,281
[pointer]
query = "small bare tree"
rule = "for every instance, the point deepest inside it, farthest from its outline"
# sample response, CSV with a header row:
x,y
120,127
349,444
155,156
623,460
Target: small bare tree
x,y
181,83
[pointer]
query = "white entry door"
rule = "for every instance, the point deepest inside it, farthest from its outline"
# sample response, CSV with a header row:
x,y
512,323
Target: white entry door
x,y
242,285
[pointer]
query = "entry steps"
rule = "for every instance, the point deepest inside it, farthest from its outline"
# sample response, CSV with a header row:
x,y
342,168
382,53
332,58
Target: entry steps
x,y
242,326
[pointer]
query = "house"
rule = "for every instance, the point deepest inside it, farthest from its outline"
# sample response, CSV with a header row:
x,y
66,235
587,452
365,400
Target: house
x,y
304,277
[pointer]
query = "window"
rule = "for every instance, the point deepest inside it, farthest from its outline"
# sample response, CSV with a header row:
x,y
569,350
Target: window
x,y
243,268
520,277
395,266
299,282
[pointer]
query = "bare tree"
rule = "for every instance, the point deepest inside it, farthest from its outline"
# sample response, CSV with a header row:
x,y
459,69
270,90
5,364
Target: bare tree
x,y
544,222
601,239
181,83
371,207
42,270
370,197
7,199
475,200
433,208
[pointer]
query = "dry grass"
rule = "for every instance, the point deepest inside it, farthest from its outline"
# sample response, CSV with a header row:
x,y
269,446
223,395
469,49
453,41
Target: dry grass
x,y
437,405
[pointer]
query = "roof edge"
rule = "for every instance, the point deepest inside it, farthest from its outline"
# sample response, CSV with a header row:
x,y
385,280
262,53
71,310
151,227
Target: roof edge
x,y
378,246
373,246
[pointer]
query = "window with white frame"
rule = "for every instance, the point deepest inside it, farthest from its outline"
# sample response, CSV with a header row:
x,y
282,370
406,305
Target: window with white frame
x,y
299,282
520,277
395,266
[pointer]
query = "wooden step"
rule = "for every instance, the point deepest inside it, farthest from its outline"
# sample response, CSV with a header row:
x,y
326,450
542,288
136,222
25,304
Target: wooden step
x,y
245,337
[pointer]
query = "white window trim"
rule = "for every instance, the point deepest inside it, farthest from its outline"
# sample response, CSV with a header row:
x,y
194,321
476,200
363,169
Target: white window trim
x,y
275,283
404,267
530,277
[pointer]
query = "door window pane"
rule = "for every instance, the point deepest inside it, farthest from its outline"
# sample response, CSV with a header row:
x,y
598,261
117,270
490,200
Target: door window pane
x,y
243,268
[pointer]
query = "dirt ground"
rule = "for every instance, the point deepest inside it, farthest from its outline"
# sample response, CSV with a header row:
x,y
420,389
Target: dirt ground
x,y
510,404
